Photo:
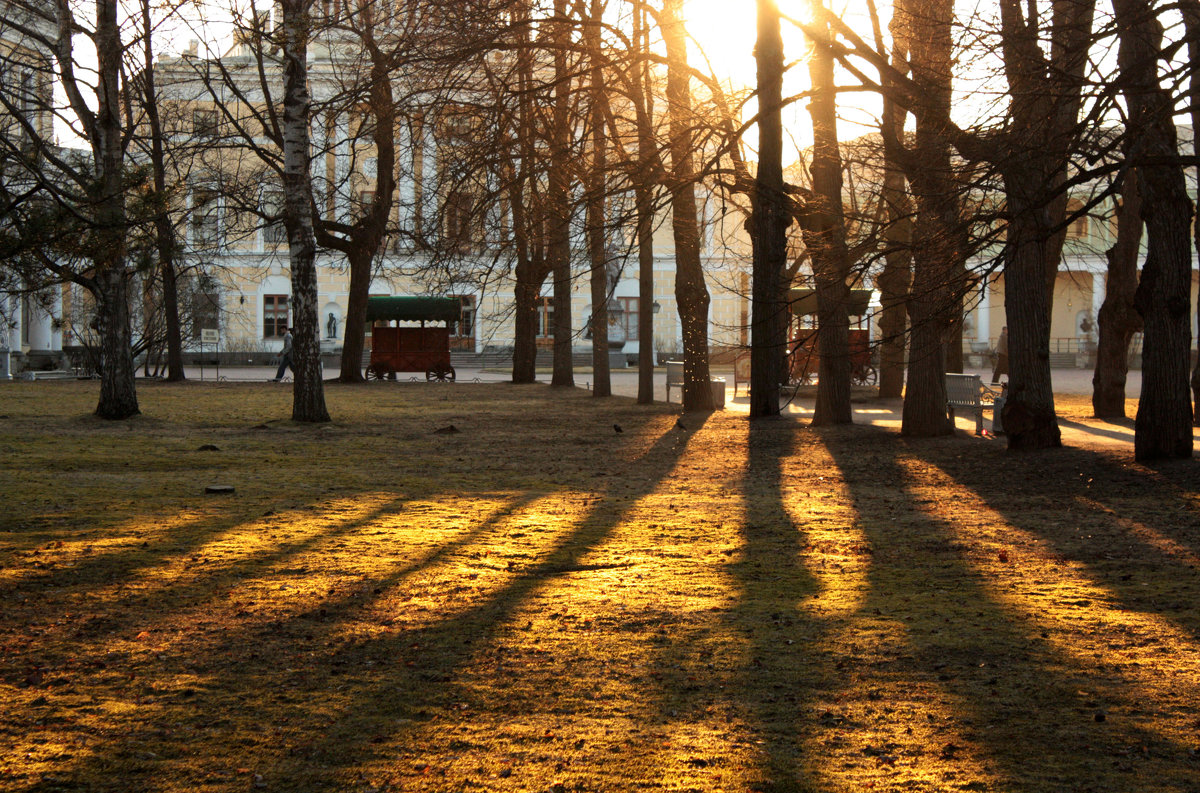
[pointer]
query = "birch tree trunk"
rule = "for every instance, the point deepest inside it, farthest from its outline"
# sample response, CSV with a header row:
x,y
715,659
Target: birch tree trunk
x,y
308,392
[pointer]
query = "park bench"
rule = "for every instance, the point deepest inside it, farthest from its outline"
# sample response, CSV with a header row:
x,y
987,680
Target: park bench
x,y
967,392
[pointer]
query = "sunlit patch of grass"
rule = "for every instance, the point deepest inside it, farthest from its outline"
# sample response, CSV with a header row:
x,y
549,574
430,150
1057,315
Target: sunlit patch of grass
x,y
540,603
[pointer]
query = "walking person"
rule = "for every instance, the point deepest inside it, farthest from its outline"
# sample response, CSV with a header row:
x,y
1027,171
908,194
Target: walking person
x,y
285,355
1001,355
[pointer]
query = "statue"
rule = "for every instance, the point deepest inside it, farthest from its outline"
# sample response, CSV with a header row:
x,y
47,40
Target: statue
x,y
331,326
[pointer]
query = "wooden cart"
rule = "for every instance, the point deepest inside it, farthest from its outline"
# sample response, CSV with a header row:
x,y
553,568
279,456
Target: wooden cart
x,y
396,348
803,353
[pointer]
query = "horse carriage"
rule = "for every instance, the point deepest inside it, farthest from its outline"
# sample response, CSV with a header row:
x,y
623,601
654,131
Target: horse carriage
x,y
398,348
804,357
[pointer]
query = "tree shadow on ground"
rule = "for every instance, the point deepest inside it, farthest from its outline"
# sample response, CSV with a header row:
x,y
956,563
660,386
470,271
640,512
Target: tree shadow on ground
x,y
993,683
345,691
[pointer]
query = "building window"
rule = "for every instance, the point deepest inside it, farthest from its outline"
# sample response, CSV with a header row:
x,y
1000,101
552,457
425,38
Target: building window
x,y
275,315
545,317
204,122
370,167
463,231
203,304
465,327
274,231
206,227
1078,228
630,318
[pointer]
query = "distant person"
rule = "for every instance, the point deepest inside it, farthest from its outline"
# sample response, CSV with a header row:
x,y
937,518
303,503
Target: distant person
x,y
285,355
1001,355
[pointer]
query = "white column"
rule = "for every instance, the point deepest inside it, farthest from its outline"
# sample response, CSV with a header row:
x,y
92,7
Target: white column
x,y
429,182
1098,289
406,188
10,335
341,169
56,336
983,327
41,326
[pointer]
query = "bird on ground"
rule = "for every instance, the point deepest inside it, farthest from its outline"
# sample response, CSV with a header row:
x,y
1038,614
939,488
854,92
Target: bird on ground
x,y
617,427
679,425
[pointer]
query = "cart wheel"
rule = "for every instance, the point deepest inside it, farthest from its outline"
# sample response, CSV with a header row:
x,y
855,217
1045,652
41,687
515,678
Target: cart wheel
x,y
866,376
450,375
441,375
379,371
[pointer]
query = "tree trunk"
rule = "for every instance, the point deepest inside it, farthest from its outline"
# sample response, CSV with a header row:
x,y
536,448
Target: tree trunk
x,y
894,280
769,221
644,198
826,241
597,242
691,293
1191,21
559,200
1118,320
308,392
1163,427
163,232
1029,418
118,396
523,199
355,326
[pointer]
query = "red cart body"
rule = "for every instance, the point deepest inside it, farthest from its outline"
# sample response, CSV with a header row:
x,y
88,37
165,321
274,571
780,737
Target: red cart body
x,y
411,348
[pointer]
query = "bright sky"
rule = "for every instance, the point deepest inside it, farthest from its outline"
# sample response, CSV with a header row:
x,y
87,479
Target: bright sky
x,y
726,30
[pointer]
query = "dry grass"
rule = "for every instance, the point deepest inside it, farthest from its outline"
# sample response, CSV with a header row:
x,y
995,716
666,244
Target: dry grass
x,y
540,603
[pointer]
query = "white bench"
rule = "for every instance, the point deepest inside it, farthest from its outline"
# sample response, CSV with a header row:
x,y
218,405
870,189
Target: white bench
x,y
967,392
674,378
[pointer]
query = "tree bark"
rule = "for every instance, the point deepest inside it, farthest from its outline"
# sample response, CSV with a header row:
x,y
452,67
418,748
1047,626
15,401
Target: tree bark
x,y
825,237
1118,320
1191,22
308,392
118,396
597,247
769,221
643,198
559,201
691,293
163,231
896,277
1163,427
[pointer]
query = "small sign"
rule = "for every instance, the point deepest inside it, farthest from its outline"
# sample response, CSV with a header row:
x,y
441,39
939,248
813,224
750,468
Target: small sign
x,y
209,336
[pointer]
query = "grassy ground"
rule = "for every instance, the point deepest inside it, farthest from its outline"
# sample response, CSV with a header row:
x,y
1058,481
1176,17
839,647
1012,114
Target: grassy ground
x,y
540,603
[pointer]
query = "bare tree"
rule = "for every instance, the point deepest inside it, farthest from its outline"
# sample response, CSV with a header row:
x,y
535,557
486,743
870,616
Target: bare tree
x,y
308,393
691,293
1118,318
1163,428
769,221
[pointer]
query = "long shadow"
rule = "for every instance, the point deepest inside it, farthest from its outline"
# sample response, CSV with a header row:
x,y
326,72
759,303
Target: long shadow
x,y
1008,691
377,698
1100,502
1094,430
783,674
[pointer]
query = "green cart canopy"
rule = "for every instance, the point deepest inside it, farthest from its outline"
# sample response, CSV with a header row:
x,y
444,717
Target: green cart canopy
x,y
804,302
414,309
